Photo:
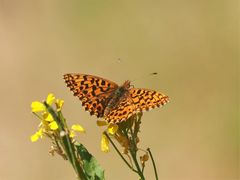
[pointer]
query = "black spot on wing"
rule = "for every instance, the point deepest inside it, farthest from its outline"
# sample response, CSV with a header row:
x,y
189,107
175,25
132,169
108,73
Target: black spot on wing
x,y
103,83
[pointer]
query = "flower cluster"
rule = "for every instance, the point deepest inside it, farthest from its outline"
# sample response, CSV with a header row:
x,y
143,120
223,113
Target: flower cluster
x,y
48,125
126,134
122,132
53,125
111,129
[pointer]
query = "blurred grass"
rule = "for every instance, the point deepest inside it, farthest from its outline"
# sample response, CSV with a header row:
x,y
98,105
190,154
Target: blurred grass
x,y
193,45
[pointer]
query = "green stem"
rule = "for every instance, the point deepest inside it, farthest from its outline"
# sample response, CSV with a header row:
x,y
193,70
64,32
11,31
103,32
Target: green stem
x,y
143,169
133,152
75,162
134,157
153,162
40,117
119,153
67,144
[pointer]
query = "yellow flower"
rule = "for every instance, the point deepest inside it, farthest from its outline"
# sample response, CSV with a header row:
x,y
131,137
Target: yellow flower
x,y
49,121
53,125
102,123
104,143
47,117
50,99
112,129
48,124
37,135
76,128
72,134
59,104
37,106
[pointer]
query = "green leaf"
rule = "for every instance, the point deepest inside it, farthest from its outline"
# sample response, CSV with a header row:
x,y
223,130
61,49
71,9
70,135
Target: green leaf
x,y
90,165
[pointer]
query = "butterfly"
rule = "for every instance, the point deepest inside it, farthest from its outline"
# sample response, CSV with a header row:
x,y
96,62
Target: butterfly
x,y
105,99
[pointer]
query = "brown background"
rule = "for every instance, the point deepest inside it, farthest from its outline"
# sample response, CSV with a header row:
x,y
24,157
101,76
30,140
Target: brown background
x,y
191,44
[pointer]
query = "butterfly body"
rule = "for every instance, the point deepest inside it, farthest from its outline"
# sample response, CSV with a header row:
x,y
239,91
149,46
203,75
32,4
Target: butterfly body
x,y
120,93
106,99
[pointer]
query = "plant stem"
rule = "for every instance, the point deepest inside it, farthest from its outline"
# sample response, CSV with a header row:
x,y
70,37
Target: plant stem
x,y
153,162
68,146
134,157
75,162
119,153
133,152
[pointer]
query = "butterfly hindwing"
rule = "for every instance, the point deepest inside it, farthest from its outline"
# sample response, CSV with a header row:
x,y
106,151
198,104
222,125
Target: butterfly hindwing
x,y
96,106
145,99
138,100
122,112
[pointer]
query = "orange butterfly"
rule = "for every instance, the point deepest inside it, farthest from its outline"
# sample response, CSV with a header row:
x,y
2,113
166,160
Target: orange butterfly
x,y
114,103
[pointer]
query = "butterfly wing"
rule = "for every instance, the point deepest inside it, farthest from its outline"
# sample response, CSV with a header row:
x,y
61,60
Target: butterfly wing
x,y
93,91
124,110
144,99
138,100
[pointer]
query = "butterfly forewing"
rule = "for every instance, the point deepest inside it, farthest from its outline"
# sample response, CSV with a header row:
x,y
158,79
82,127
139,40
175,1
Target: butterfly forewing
x,y
93,91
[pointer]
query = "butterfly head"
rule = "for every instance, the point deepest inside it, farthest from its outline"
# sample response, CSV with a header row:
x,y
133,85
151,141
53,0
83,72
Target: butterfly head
x,y
121,90
126,84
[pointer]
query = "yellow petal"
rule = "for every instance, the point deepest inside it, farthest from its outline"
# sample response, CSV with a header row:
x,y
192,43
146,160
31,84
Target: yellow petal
x,y
37,106
104,143
34,137
102,123
50,99
72,134
48,117
53,125
112,128
37,135
59,104
77,127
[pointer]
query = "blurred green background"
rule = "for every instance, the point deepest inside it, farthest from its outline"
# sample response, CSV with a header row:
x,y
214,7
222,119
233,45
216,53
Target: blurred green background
x,y
191,44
